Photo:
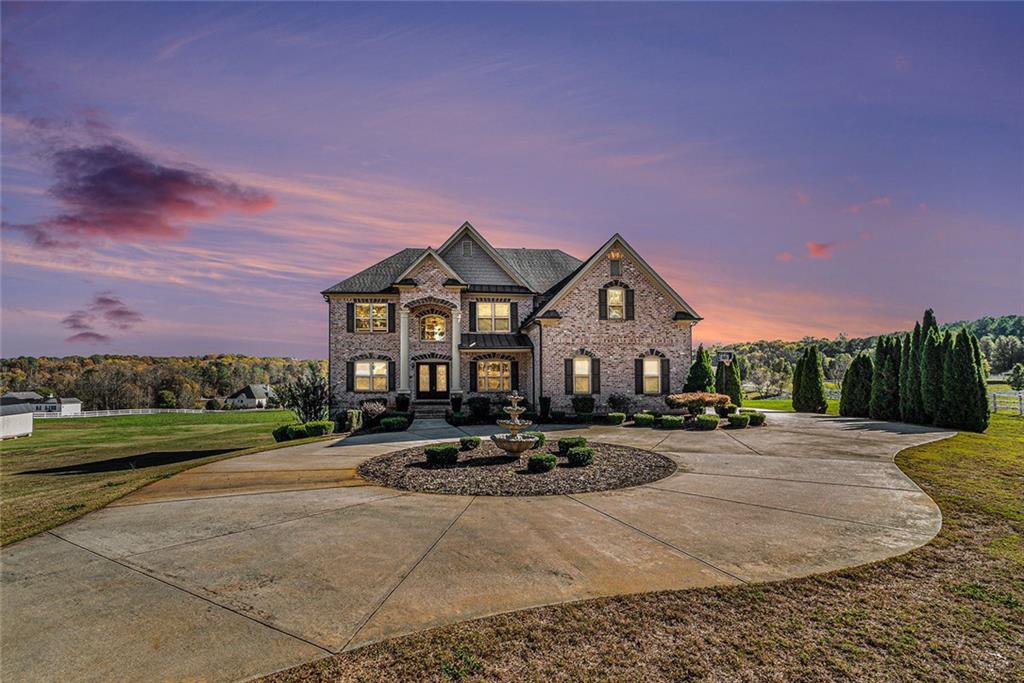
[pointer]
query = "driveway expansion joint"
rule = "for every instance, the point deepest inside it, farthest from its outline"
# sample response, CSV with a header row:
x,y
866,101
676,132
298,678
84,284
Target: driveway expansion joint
x,y
803,481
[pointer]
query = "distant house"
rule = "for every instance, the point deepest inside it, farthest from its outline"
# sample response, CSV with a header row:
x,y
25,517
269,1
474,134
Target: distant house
x,y
251,396
60,406
725,357
13,398
15,420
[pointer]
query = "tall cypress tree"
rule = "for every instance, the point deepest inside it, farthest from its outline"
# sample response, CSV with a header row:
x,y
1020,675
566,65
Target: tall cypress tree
x,y
931,375
929,323
981,394
701,376
906,406
811,397
885,385
856,397
914,378
950,412
720,378
798,373
733,383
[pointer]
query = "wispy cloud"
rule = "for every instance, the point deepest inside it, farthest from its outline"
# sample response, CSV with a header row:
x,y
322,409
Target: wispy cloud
x,y
820,249
172,48
105,306
876,202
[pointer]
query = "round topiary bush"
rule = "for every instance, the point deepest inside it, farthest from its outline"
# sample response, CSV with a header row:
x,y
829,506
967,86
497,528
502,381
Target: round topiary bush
x,y
616,418
756,419
442,454
570,442
726,410
468,443
394,424
671,421
581,456
297,432
319,428
643,420
541,439
706,423
739,421
541,462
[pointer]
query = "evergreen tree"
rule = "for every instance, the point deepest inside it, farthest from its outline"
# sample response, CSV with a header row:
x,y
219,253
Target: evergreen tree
x,y
856,397
811,397
701,376
981,381
914,378
733,383
905,401
929,323
950,412
885,385
798,374
931,375
720,378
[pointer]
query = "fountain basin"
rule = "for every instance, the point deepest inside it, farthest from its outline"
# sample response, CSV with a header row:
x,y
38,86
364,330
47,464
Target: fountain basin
x,y
514,444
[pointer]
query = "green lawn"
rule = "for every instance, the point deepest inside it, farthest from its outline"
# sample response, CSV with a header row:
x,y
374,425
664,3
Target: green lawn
x,y
71,466
783,404
952,610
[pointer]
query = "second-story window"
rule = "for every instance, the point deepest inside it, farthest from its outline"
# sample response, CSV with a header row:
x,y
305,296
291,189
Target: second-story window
x,y
432,328
371,317
616,303
492,317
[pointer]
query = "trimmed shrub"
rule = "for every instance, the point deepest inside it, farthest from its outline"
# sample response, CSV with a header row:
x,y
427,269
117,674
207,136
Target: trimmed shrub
x,y
468,443
671,422
701,377
397,413
643,420
620,403
319,427
615,418
353,420
297,432
442,454
696,401
705,423
373,411
856,396
809,393
727,381
281,433
402,403
1016,378
581,456
541,438
756,418
394,424
541,462
583,404
479,407
726,410
213,404
570,442
739,421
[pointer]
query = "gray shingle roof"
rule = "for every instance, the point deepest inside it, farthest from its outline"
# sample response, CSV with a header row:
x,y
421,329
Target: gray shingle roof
x,y
23,395
254,391
542,268
15,408
380,276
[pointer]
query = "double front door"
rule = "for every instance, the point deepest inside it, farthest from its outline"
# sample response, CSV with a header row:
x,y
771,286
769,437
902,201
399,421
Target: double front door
x,y
432,380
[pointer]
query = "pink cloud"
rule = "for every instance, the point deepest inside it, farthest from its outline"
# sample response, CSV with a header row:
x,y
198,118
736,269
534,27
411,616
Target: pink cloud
x,y
105,306
785,257
820,249
877,201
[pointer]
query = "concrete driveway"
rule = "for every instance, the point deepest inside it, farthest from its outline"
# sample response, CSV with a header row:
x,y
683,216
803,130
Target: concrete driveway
x,y
250,565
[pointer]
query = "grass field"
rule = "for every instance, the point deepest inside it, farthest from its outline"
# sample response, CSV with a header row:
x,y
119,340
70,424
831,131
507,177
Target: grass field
x,y
784,404
952,610
71,466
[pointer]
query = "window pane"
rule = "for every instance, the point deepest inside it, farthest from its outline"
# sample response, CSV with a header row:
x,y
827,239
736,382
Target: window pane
x,y
652,385
483,325
363,368
582,385
652,366
442,378
362,310
500,310
483,310
380,383
582,365
501,324
424,374
433,328
615,313
362,383
380,367
615,296
380,311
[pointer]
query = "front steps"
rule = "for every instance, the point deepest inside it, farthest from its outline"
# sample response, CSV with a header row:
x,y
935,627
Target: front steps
x,y
430,409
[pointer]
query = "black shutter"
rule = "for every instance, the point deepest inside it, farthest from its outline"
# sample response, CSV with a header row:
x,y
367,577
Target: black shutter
x,y
391,375
602,304
568,376
513,309
595,375
391,318
350,317
350,376
664,376
638,376
472,318
514,370
472,375
630,308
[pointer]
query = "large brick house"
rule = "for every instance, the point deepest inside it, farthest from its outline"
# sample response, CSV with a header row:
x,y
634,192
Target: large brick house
x,y
468,318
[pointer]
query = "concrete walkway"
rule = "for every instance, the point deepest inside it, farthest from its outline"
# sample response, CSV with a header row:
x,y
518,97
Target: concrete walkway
x,y
261,562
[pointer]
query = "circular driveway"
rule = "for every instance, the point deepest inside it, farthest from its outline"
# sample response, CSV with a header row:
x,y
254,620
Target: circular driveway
x,y
261,562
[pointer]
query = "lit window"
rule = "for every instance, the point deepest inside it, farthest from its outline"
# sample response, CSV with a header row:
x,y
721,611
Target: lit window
x,y
616,303
652,375
371,375
581,375
371,318
492,317
493,375
432,328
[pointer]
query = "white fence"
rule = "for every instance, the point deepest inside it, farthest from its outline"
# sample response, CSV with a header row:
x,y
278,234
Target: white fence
x,y
1008,402
112,413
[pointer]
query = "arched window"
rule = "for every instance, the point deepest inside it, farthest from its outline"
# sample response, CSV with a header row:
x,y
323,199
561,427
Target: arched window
x,y
432,328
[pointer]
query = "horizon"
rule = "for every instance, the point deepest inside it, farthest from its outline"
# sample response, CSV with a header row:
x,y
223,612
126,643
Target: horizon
x,y
178,179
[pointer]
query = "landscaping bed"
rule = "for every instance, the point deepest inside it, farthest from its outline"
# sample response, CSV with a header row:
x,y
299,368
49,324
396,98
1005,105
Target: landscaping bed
x,y
489,471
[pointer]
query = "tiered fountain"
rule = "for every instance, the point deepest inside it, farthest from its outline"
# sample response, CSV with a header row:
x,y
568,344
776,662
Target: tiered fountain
x,y
515,442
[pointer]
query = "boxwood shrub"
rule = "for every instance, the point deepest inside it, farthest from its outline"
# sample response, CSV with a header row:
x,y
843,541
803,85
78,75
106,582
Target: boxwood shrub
x,y
726,410
756,419
580,456
615,418
353,420
468,443
442,454
541,462
705,423
281,433
394,424
296,432
739,421
583,404
671,421
570,442
643,420
319,428
541,438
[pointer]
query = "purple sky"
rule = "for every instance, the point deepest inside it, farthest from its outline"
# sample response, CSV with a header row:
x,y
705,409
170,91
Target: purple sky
x,y
184,179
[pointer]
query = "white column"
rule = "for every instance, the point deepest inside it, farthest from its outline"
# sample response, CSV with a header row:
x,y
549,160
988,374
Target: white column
x,y
403,354
456,369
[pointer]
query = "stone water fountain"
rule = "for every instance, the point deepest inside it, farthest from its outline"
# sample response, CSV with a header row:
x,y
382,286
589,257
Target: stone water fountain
x,y
514,443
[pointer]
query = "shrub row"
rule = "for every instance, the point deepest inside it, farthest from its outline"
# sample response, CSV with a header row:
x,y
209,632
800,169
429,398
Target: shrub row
x,y
301,431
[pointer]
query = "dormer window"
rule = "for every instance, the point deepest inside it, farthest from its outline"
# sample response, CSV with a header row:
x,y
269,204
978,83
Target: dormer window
x,y
616,303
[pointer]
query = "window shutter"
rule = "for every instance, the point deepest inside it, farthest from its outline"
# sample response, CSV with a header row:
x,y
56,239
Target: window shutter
x,y
638,376
602,304
391,318
664,376
630,307
350,376
595,375
472,318
391,375
513,309
350,317
514,372
472,374
568,376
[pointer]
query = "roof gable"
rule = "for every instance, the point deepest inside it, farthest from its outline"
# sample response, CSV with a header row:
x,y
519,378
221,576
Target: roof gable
x,y
442,264
489,264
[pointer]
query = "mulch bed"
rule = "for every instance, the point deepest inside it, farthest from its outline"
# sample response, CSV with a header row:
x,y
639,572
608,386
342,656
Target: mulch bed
x,y
489,471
